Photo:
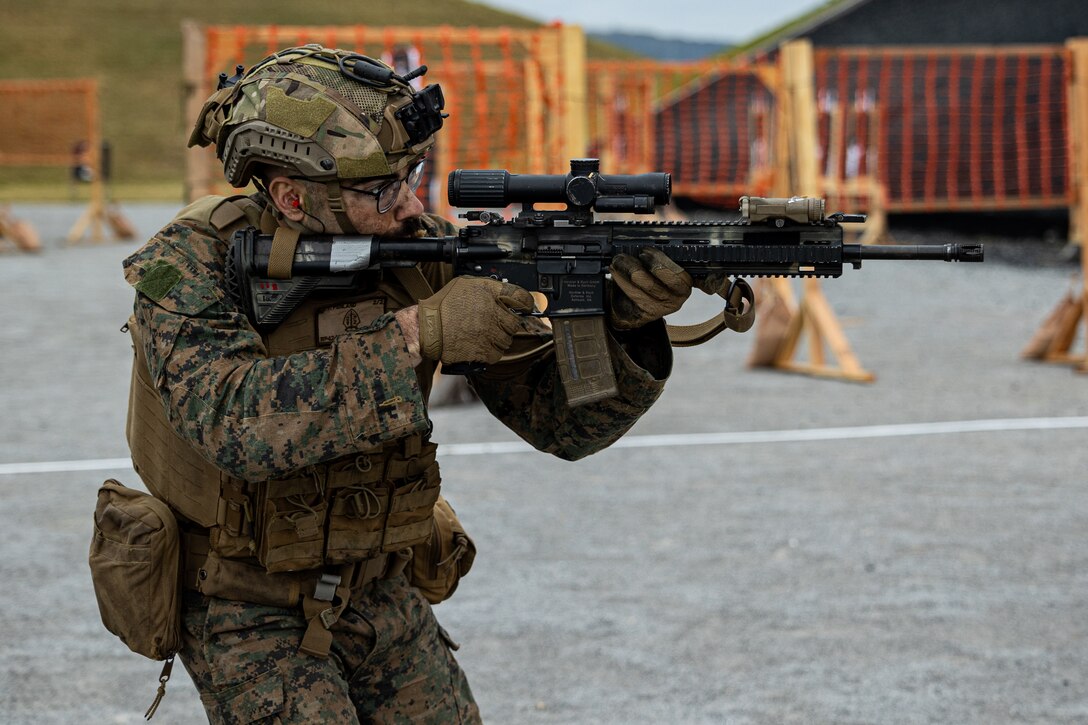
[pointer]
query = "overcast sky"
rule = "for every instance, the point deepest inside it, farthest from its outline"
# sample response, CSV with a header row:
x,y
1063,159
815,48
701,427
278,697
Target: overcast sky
x,y
724,21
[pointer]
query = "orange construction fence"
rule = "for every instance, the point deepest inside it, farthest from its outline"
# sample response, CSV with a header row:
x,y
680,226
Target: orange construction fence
x,y
709,124
55,118
949,128
941,129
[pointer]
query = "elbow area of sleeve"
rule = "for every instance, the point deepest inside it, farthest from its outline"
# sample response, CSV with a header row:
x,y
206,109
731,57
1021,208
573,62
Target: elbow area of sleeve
x,y
642,365
380,389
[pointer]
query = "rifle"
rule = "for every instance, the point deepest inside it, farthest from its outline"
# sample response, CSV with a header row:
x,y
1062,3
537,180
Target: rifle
x,y
565,254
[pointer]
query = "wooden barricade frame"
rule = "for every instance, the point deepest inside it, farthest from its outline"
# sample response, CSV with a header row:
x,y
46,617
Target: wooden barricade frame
x,y
631,131
810,316
1054,340
83,117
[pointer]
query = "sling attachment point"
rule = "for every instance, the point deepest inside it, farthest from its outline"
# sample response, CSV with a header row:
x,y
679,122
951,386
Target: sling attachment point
x,y
325,589
739,315
164,677
323,608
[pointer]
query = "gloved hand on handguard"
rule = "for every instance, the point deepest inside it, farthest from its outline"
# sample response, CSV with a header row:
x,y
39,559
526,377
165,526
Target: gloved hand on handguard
x,y
646,288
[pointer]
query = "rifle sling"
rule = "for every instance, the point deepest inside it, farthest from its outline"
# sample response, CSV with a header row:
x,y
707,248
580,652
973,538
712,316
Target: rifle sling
x,y
282,256
739,315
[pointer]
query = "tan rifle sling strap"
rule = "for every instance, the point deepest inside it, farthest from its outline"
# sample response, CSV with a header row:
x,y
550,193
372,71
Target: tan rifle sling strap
x,y
282,256
739,315
418,288
414,282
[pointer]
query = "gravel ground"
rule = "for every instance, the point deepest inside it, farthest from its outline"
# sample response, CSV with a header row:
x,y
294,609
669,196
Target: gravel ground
x,y
767,548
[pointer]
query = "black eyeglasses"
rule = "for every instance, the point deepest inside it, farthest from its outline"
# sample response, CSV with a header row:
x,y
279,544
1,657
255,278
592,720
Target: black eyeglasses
x,y
387,193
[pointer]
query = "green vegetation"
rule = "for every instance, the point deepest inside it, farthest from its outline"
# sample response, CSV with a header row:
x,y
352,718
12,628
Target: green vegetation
x,y
133,47
762,40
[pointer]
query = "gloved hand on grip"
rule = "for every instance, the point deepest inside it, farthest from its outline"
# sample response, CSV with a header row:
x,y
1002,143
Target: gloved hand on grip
x,y
646,289
470,320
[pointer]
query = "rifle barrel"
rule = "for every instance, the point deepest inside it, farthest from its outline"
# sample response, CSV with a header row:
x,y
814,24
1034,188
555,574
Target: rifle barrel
x,y
944,252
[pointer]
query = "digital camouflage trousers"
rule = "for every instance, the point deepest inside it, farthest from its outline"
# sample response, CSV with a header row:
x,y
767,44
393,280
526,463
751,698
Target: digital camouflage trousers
x,y
390,663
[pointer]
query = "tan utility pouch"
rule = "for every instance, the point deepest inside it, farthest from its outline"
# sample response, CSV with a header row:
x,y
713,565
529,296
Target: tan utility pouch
x,y
381,503
291,524
135,559
439,562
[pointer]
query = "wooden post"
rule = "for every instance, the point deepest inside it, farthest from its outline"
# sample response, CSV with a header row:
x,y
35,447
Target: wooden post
x,y
92,216
98,212
535,135
1053,340
800,86
17,233
812,316
198,179
440,169
783,123
605,93
573,93
647,140
1078,94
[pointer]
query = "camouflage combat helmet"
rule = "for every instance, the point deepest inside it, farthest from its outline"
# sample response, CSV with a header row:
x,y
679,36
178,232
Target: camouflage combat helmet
x,y
324,114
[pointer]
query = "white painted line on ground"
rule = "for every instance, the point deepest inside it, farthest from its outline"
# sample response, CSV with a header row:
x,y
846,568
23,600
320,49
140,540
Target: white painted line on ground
x,y
952,427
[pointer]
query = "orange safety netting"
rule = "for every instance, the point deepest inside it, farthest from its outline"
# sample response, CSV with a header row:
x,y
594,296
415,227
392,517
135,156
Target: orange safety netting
x,y
948,129
708,124
49,122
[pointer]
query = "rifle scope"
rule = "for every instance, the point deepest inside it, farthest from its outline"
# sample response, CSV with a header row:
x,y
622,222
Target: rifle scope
x,y
583,187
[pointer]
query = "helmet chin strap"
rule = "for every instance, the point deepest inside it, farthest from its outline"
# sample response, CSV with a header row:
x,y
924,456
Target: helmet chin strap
x,y
336,205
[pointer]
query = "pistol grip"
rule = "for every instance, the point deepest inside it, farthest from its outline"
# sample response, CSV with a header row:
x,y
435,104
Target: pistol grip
x,y
585,366
465,368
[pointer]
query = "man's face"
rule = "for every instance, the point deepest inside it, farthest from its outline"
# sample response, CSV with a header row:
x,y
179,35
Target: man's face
x,y
400,220
361,202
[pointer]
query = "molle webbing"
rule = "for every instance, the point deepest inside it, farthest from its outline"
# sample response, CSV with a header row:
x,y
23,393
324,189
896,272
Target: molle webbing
x,y
168,465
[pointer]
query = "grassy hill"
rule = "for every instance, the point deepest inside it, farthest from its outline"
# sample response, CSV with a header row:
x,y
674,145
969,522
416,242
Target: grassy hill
x,y
133,47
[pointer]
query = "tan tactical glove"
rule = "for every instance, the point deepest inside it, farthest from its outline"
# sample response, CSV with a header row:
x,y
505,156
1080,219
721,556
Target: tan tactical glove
x,y
470,320
646,289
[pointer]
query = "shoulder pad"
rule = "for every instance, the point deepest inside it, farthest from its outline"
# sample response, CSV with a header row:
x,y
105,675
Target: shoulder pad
x,y
220,212
167,278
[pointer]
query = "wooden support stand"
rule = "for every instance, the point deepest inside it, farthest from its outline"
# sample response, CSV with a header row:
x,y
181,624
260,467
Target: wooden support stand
x,y
99,212
96,217
783,322
1054,339
17,235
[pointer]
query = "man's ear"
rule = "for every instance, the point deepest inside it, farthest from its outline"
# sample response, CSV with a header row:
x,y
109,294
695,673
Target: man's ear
x,y
288,196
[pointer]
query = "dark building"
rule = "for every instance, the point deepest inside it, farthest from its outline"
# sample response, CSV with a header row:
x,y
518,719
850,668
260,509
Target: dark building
x,y
941,22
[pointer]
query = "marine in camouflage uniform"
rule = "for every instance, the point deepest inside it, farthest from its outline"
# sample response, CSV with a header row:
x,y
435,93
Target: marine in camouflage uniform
x,y
259,414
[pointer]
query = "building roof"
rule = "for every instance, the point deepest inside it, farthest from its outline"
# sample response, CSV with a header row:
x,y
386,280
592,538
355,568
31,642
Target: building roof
x,y
794,28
